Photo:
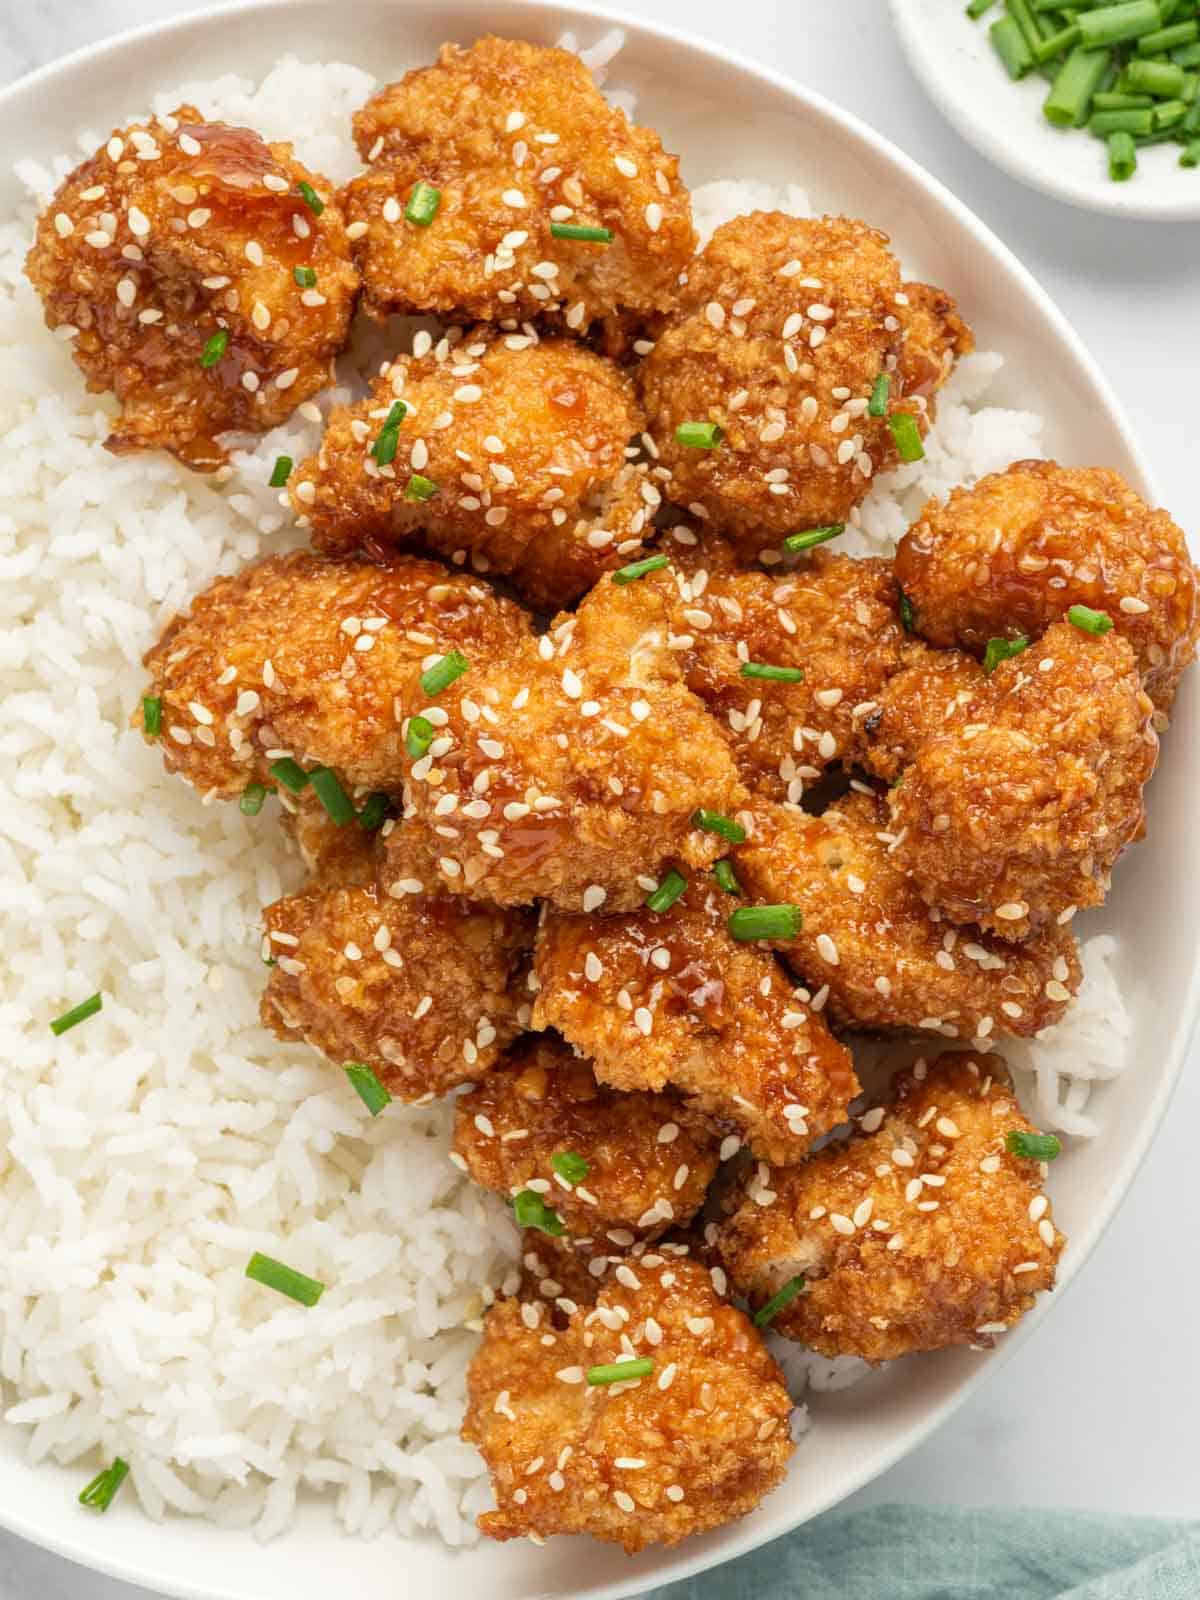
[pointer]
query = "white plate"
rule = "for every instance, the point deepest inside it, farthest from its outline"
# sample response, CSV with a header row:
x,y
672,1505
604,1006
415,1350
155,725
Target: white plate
x,y
729,118
963,76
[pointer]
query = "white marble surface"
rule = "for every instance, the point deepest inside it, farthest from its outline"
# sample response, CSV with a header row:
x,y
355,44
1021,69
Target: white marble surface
x,y
1102,1409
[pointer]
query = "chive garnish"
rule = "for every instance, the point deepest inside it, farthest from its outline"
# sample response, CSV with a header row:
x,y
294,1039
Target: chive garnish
x,y
311,198
152,715
252,799
101,1492
776,1303
1109,25
423,204
1033,1146
80,1013
266,1270
699,435
367,1087
384,448
289,773
716,822
419,488
639,569
796,542
726,877
333,797
531,1211
577,230
878,403
374,814
761,669
906,436
1090,621
280,472
668,891
571,1166
214,348
305,277
620,1371
443,673
908,614
419,736
765,922
999,650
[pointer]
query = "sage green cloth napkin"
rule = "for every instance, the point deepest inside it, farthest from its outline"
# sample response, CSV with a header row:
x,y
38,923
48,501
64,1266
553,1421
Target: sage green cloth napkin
x,y
947,1553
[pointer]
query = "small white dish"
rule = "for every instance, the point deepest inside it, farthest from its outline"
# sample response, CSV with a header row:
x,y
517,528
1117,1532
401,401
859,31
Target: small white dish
x,y
953,58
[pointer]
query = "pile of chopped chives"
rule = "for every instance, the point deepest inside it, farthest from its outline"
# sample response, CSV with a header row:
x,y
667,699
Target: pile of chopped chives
x,y
1128,72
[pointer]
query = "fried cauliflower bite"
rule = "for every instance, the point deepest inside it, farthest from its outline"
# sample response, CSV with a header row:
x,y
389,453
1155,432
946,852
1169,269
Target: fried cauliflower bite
x,y
888,962
696,1442
785,326
671,998
316,659
1011,556
205,293
525,441
568,771
517,139
915,703
935,336
920,1231
602,1160
832,617
1012,817
425,989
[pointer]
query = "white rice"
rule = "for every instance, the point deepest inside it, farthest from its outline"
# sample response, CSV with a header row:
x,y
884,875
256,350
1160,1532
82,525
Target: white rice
x,y
145,1155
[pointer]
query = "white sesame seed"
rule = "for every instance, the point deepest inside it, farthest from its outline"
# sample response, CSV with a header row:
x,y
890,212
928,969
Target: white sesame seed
x,y
840,1224
1132,606
654,216
514,198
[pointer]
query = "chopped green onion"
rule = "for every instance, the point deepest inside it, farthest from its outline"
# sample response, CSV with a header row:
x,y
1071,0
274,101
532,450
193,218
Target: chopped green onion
x,y
726,877
700,435
214,348
1122,157
280,472
290,774
639,569
1009,44
1022,14
1033,1146
776,1303
1102,123
725,827
419,488
576,230
1111,100
266,1270
878,403
999,650
305,277
795,542
1109,25
1167,113
621,1371
1070,98
443,673
101,1492
367,1087
1163,39
311,198
152,715
419,737
332,796
80,1013
976,8
762,669
908,613
1090,621
668,891
531,1211
906,436
570,1166
1056,45
1189,56
252,799
766,922
1190,156
374,813
423,204
1162,79
384,448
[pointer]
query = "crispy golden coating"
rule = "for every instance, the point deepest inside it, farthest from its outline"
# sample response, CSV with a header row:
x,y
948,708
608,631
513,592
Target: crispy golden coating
x,y
525,441
516,138
658,998
915,703
888,961
558,1270
318,659
832,617
649,1160
425,989
568,771
174,233
920,1231
1012,816
694,1444
785,325
1011,555
935,335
